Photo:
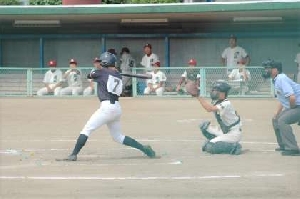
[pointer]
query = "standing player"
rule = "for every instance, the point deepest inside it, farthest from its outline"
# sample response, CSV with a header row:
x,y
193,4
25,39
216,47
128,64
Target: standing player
x,y
52,80
126,64
190,74
109,86
91,88
73,76
149,58
233,54
226,138
288,112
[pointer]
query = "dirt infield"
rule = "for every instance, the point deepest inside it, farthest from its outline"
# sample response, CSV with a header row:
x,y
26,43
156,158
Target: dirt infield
x,y
34,132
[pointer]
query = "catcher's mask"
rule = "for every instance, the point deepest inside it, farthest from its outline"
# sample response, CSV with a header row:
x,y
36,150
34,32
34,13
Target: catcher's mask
x,y
218,87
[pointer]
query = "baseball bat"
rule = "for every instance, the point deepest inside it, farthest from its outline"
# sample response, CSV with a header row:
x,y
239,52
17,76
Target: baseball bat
x,y
141,76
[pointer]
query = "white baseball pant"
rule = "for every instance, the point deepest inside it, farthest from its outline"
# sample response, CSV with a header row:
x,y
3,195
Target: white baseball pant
x,y
71,91
233,136
44,91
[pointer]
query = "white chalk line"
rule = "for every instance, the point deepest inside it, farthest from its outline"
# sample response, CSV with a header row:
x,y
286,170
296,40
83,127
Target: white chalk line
x,y
144,140
137,178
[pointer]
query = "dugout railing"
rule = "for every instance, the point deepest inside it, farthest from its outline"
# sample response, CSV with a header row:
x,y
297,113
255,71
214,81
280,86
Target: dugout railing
x,y
25,82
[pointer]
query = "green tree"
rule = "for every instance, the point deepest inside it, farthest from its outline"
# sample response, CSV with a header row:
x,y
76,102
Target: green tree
x,y
45,2
10,2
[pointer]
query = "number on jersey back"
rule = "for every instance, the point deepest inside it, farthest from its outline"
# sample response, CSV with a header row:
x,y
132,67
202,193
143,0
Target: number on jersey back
x,y
114,85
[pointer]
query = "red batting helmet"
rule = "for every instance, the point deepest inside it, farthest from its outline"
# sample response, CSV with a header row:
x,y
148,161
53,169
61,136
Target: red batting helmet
x,y
192,62
73,61
52,63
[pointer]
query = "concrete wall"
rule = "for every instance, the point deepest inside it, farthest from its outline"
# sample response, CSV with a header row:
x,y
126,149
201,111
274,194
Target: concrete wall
x,y
25,53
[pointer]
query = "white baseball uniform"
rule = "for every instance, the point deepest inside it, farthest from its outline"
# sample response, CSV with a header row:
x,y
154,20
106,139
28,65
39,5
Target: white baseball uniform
x,y
233,55
51,79
74,83
157,77
297,60
148,61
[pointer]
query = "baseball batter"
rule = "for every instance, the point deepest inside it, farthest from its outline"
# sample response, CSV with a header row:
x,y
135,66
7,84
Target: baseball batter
x,y
190,74
225,138
52,80
73,76
109,88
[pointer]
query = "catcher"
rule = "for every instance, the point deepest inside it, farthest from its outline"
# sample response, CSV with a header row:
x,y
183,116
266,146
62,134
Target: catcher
x,y
225,139
190,74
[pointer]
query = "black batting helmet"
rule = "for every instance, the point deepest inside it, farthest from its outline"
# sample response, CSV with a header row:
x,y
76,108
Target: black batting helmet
x,y
107,59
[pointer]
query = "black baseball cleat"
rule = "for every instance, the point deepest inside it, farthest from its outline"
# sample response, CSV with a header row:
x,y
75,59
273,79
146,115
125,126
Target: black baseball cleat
x,y
290,153
149,151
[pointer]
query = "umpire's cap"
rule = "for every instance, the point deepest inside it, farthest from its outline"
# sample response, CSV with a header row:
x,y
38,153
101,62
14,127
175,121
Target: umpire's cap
x,y
107,59
221,85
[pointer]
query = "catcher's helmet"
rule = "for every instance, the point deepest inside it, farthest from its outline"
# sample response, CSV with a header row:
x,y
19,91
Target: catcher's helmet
x,y
107,59
192,62
52,63
221,86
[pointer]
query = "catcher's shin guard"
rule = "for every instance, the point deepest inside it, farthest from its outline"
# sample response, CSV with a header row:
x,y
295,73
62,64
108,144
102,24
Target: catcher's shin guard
x,y
203,127
223,148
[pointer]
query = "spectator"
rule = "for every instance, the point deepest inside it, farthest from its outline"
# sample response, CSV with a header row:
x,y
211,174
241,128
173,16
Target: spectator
x,y
190,74
157,83
232,54
149,58
91,88
52,80
288,110
73,77
297,60
239,78
126,63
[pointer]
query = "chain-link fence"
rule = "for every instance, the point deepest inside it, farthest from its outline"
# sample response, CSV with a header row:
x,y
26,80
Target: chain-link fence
x,y
28,81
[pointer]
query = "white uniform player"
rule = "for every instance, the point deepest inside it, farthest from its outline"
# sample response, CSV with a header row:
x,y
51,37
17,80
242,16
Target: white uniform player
x,y
149,58
156,84
109,86
91,88
233,54
239,78
190,74
297,60
127,63
52,80
73,77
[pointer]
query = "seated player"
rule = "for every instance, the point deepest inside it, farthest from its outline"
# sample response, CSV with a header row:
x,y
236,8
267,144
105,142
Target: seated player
x,y
157,83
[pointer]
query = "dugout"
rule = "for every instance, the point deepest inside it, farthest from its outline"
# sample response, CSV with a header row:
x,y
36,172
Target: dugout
x,y
266,29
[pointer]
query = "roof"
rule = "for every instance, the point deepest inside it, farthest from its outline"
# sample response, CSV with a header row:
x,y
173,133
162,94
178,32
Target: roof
x,y
179,17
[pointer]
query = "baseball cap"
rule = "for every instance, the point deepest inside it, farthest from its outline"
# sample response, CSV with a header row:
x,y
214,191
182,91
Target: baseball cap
x,y
148,45
73,61
112,51
232,36
241,61
97,59
125,49
52,63
157,63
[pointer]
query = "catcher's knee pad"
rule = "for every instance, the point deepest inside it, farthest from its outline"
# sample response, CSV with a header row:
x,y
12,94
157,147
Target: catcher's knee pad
x,y
203,127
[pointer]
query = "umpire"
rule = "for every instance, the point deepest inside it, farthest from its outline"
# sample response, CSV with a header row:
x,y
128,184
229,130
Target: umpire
x,y
288,94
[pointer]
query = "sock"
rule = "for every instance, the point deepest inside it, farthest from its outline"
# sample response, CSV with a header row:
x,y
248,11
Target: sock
x,y
128,141
80,143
